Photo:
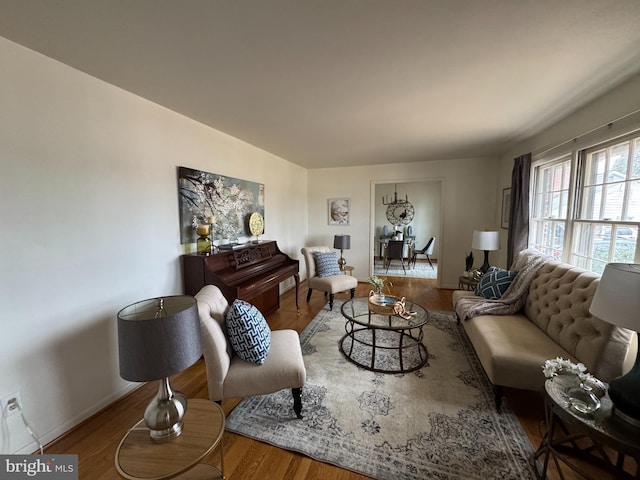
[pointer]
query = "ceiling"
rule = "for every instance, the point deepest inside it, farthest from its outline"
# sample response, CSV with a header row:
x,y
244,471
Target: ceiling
x,y
325,83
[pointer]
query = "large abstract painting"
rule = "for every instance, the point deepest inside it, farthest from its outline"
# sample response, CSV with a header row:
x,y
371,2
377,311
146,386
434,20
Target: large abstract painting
x,y
225,203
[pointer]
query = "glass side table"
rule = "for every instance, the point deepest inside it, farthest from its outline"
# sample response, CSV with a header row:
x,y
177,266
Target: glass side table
x,y
137,458
572,435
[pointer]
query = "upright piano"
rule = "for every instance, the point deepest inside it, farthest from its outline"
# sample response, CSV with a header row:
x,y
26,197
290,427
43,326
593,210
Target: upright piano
x,y
250,272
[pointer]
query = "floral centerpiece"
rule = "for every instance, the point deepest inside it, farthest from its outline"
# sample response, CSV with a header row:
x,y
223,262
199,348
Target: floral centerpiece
x,y
379,283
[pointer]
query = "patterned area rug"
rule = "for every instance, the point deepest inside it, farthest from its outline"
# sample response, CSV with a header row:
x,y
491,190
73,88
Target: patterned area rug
x,y
438,422
421,270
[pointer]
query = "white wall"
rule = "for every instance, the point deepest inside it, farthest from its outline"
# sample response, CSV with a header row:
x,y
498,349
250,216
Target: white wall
x,y
581,129
89,211
468,202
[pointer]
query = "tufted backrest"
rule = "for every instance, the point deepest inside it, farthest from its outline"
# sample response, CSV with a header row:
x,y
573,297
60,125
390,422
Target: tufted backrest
x,y
216,350
558,303
309,261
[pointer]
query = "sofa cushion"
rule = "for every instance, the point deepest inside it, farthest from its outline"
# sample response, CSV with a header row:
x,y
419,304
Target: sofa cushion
x,y
494,283
326,264
512,350
248,332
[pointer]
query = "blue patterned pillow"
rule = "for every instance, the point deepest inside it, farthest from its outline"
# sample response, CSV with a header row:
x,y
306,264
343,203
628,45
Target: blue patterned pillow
x,y
494,283
326,264
248,332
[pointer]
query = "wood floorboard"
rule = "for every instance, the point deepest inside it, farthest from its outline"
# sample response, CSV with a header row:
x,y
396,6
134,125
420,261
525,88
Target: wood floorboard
x,y
95,440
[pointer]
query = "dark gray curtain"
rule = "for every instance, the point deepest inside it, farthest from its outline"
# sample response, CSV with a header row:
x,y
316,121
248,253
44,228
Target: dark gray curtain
x,y
519,210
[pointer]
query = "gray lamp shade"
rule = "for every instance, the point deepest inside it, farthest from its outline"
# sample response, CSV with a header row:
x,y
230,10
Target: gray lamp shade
x,y
158,337
342,242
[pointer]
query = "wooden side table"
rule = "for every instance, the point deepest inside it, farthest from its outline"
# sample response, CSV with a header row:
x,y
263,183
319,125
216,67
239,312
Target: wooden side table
x,y
348,269
567,430
138,458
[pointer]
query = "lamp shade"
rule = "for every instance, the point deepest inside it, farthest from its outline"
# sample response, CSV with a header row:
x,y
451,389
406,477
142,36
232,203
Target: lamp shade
x,y
485,240
343,242
617,298
158,337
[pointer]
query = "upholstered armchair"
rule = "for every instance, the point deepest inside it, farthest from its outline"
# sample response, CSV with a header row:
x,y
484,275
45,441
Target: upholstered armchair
x,y
228,375
325,280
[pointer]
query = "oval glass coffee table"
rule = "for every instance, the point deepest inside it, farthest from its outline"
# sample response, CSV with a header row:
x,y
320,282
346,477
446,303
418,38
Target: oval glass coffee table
x,y
386,343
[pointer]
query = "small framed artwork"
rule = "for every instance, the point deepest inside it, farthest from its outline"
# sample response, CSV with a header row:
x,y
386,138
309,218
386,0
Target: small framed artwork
x,y
506,207
339,211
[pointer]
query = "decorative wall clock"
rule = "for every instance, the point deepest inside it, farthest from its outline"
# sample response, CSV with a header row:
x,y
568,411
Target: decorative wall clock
x,y
400,213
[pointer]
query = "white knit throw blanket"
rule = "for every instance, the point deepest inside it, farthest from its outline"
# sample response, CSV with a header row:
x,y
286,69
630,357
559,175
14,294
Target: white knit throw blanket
x,y
527,264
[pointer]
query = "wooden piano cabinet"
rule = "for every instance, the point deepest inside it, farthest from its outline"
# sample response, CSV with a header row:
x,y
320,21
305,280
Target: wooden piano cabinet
x,y
250,272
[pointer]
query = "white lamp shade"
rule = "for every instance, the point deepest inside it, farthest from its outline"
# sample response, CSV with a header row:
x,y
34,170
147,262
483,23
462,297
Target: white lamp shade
x,y
617,298
485,240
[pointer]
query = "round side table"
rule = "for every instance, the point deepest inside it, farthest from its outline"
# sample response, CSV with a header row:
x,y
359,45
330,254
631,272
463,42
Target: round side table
x,y
466,283
138,458
566,426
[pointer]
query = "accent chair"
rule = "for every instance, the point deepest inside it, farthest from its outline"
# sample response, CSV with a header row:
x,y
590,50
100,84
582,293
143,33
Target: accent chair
x,y
229,376
330,284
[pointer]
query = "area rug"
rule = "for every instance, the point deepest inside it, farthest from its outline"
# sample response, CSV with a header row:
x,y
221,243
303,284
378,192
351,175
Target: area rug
x,y
438,422
421,270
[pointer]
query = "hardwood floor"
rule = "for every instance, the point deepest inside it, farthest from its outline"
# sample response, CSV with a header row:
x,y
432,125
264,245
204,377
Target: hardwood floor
x,y
95,441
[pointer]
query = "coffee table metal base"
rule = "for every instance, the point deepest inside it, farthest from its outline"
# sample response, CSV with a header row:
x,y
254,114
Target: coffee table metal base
x,y
402,340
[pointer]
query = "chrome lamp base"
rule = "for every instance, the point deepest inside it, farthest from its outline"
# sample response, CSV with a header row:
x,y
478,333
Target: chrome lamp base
x,y
163,416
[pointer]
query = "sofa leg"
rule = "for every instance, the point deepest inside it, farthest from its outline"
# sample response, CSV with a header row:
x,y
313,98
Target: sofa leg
x,y
309,295
353,292
498,392
458,319
331,301
297,401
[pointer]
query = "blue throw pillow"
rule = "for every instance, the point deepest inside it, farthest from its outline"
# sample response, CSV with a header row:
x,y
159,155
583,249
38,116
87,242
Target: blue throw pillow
x,y
326,264
249,332
494,283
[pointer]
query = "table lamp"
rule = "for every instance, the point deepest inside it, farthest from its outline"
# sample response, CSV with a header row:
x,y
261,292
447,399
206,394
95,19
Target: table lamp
x,y
617,301
157,338
343,242
486,241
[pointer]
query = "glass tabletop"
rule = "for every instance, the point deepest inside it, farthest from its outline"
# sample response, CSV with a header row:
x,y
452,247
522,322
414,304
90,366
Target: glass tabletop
x,y
357,310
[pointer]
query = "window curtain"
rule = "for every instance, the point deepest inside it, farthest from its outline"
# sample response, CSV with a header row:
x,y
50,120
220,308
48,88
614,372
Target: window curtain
x,y
518,238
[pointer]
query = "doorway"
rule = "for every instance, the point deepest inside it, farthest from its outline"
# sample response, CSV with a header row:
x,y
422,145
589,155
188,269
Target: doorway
x,y
425,197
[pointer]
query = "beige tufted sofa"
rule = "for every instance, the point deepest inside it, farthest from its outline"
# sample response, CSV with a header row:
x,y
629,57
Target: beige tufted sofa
x,y
554,322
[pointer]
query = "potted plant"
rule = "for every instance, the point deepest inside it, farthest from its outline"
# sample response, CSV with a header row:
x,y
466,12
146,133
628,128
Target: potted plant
x,y
468,261
379,283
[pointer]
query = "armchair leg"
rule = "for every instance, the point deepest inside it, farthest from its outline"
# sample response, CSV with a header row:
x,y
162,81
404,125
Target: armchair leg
x,y
297,401
331,301
353,292
309,295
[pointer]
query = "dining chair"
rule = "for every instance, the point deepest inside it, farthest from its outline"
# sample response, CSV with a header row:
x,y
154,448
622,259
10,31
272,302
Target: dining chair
x,y
426,251
395,251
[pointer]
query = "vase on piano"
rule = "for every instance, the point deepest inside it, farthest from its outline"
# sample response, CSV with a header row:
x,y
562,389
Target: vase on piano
x,y
203,242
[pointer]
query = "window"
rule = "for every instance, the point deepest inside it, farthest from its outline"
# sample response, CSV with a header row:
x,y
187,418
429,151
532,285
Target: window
x,y
601,225
550,206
